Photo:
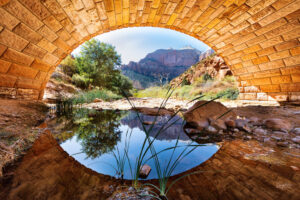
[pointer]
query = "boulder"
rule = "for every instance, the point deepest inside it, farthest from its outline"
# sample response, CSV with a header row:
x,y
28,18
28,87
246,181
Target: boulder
x,y
201,111
145,171
278,124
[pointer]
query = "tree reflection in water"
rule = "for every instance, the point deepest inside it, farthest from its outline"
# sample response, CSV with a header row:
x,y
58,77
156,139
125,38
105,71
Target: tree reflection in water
x,y
97,132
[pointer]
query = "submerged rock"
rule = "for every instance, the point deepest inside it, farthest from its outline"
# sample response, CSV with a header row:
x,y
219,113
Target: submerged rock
x,y
154,111
145,171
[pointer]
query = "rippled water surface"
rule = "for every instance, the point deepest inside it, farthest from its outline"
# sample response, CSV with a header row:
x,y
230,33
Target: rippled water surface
x,y
91,137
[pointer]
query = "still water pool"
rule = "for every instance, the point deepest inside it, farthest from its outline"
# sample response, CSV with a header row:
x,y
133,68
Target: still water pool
x,y
91,137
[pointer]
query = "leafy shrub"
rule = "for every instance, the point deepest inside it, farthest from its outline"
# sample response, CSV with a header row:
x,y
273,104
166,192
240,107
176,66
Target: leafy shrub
x,y
207,77
80,81
89,96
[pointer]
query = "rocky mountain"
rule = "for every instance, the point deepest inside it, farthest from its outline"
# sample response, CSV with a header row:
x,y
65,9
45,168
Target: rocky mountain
x,y
160,66
213,66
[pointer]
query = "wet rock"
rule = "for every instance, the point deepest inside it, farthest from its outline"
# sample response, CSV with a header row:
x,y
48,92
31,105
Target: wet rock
x,y
230,123
154,111
260,131
148,122
246,128
255,121
218,124
239,123
282,144
145,171
296,139
211,130
192,131
236,130
296,131
202,124
248,137
202,110
280,133
278,124
294,168
276,138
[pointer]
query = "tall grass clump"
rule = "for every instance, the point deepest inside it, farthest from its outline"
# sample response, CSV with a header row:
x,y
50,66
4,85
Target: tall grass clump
x,y
164,171
89,96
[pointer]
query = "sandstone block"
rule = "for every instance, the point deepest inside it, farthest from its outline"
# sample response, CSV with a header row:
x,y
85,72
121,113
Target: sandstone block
x,y
261,81
48,46
281,79
290,87
296,78
50,59
271,42
27,33
4,66
17,57
252,49
37,8
22,71
270,88
47,33
2,49
7,80
290,70
295,60
262,96
40,65
260,60
279,55
271,65
19,11
12,40
266,51
287,45
249,56
35,51
295,51
52,23
267,73
27,83
8,20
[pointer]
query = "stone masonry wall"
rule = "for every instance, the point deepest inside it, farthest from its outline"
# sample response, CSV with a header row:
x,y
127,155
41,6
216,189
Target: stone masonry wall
x,y
258,39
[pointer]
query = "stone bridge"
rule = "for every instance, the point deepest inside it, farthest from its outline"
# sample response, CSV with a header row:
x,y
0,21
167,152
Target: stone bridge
x,y
258,39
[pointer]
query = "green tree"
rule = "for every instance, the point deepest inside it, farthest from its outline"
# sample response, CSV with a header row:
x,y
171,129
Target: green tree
x,y
97,65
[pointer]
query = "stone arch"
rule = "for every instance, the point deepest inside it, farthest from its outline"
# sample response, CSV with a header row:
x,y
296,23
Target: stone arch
x,y
259,39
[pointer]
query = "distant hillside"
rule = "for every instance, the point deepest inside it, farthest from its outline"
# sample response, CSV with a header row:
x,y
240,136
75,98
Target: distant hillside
x,y
160,66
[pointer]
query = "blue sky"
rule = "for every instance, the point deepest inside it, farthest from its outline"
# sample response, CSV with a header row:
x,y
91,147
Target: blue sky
x,y
135,43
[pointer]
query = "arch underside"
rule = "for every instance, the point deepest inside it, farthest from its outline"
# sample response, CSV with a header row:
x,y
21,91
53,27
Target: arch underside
x,y
258,39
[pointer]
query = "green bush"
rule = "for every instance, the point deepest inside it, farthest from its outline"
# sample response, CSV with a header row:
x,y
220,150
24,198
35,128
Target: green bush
x,y
89,96
80,81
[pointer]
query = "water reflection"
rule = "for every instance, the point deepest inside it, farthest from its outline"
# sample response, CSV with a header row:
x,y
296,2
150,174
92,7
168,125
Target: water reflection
x,y
91,136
